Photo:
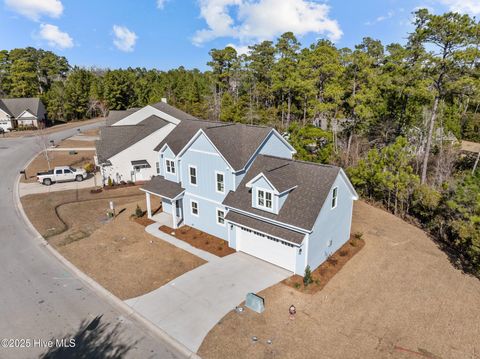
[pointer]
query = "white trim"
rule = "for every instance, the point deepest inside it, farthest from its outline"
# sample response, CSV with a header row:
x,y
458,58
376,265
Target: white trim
x,y
194,138
202,198
216,182
266,234
281,224
166,166
334,197
264,207
157,195
275,132
349,184
191,208
18,117
205,152
249,184
224,224
307,242
9,116
190,176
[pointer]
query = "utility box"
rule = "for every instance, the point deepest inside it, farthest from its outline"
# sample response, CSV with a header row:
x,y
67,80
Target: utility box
x,y
255,303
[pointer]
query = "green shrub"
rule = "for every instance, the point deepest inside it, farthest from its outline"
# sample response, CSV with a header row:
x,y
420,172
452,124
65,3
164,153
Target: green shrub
x,y
358,235
138,212
89,167
307,278
110,182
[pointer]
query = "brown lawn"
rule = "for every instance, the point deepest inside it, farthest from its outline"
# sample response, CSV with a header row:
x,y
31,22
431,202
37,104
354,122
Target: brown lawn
x,y
117,253
57,158
201,240
76,144
399,297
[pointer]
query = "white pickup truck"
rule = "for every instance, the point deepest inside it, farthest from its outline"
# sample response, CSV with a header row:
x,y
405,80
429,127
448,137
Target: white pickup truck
x,y
61,174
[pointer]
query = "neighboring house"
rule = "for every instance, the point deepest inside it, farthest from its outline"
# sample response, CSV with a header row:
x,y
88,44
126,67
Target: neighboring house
x,y
240,183
21,112
125,149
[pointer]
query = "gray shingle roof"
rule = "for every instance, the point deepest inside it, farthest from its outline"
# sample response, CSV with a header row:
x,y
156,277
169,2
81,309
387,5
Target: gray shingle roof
x,y
173,111
114,139
237,142
162,187
304,202
268,228
16,106
114,116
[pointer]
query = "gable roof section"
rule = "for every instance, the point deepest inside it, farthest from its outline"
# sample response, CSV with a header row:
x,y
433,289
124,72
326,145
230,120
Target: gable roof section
x,y
114,116
173,111
236,142
312,184
4,108
16,106
164,188
115,139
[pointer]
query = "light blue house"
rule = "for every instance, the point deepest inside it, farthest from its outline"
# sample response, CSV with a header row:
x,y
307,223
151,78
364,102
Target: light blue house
x,y
240,183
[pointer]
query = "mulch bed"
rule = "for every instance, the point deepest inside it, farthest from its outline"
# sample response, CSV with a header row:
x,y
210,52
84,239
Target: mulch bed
x,y
327,269
144,220
201,240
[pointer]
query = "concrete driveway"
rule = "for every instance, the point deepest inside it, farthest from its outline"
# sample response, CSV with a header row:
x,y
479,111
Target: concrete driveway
x,y
32,188
190,305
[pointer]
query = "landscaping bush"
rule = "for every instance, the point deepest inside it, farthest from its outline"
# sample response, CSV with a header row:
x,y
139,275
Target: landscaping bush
x,y
307,278
138,212
110,182
89,167
358,235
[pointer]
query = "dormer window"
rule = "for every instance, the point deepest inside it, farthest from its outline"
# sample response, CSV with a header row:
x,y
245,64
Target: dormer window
x,y
170,165
264,199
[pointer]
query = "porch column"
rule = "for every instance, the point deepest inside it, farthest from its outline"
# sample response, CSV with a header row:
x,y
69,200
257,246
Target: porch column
x,y
149,205
174,214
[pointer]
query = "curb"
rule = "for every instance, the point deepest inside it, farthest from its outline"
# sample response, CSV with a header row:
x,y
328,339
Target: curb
x,y
101,291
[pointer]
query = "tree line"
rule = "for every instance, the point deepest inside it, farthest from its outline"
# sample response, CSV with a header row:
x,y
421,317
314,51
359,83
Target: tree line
x,y
393,114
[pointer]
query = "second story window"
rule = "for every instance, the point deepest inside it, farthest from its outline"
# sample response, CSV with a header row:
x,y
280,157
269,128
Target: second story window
x,y
193,175
220,182
170,165
157,166
334,197
264,199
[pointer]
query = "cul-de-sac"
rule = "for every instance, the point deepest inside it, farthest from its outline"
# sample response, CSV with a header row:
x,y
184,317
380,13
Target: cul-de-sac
x,y
239,179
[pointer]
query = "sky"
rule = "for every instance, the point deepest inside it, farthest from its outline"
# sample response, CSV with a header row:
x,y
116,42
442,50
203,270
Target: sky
x,y
166,34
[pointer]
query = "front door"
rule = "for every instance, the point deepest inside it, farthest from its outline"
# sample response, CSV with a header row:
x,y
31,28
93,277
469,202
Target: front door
x,y
138,173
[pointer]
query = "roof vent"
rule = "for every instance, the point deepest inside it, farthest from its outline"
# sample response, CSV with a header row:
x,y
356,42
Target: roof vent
x,y
164,100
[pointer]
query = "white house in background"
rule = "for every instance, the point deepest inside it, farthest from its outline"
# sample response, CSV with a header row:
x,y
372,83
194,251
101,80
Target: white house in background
x,y
125,151
21,112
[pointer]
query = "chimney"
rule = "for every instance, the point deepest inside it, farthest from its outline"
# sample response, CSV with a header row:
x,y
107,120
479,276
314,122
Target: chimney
x,y
164,100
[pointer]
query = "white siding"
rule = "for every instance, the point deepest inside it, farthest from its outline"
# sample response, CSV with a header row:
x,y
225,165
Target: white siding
x,y
144,113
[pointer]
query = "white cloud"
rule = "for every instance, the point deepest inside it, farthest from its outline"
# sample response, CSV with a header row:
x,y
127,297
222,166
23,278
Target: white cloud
x,y
34,9
241,50
55,37
161,3
381,18
471,7
124,38
258,20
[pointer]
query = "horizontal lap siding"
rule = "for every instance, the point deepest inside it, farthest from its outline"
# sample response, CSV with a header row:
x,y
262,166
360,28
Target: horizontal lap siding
x,y
331,224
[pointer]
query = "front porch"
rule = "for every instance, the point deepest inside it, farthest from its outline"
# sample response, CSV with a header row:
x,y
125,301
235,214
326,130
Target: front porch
x,y
171,195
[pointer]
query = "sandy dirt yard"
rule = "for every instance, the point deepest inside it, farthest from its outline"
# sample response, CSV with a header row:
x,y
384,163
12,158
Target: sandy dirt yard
x,y
76,144
57,158
117,253
399,297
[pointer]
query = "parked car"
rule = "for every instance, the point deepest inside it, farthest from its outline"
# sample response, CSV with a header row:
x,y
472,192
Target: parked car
x,y
61,174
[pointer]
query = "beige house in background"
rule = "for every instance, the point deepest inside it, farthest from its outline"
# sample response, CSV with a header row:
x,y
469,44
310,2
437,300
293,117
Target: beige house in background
x,y
20,112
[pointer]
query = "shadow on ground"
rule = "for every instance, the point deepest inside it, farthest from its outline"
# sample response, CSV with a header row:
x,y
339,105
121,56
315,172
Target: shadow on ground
x,y
92,340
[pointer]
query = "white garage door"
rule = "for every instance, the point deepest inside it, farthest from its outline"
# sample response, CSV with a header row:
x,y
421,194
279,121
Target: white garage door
x,y
272,250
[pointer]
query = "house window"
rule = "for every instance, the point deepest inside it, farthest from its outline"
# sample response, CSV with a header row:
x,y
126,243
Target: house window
x,y
334,197
193,175
220,182
170,164
157,166
220,217
194,208
264,199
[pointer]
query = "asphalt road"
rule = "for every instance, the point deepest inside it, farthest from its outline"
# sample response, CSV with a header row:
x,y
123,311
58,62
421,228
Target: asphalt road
x,y
40,299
